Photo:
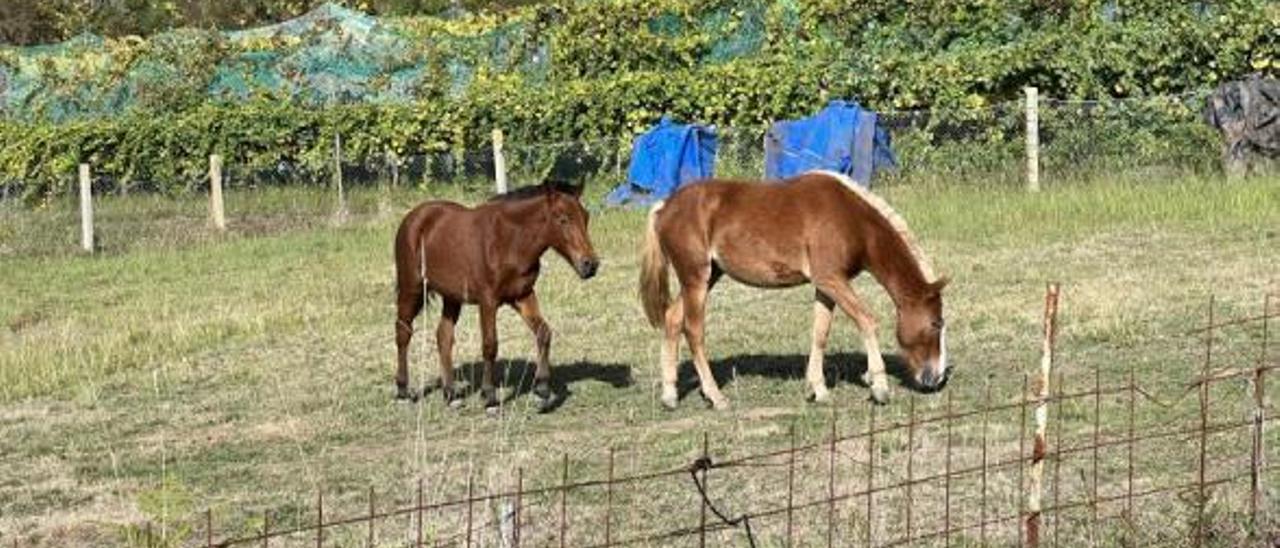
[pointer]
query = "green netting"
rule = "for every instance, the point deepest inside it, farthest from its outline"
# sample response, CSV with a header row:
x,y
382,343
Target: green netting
x,y
331,54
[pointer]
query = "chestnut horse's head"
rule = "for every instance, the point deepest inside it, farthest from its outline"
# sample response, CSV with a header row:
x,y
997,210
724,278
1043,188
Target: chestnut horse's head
x,y
922,336
567,227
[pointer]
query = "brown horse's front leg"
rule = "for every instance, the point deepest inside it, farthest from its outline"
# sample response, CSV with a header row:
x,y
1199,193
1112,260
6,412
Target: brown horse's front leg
x,y
528,308
489,348
444,345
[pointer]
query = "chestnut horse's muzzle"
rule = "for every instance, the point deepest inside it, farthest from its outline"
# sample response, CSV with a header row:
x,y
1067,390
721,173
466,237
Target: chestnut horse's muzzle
x,y
932,381
587,267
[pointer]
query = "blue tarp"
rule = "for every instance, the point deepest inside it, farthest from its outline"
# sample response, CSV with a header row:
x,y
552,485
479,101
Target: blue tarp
x,y
842,137
665,158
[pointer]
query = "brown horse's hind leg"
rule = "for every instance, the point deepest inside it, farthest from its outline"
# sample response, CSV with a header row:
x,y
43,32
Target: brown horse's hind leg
x,y
694,293
409,304
839,290
674,323
822,307
489,350
528,308
444,346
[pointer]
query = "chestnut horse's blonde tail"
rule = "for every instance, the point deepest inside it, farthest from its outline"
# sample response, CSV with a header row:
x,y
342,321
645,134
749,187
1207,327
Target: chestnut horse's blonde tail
x,y
655,291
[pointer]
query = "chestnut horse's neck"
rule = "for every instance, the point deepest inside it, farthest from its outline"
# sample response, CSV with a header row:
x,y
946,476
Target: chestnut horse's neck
x,y
895,260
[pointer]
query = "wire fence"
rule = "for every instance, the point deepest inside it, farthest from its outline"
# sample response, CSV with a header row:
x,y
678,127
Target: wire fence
x,y
1141,139
1107,455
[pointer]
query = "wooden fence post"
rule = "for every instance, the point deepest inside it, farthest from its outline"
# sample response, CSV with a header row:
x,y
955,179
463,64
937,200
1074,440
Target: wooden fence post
x,y
86,209
1039,446
337,177
499,163
217,214
1033,139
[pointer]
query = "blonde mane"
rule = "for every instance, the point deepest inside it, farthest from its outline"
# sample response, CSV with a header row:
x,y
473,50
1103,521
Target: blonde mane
x,y
899,225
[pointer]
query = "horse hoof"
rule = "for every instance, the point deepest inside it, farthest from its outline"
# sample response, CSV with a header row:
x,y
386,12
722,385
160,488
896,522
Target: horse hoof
x,y
721,404
492,410
823,397
670,402
880,395
455,403
542,389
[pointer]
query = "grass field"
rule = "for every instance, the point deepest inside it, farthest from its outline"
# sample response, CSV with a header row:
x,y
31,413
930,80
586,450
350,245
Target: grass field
x,y
179,369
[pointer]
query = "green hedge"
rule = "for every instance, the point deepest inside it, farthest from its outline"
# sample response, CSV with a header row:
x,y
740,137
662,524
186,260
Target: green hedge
x,y
617,65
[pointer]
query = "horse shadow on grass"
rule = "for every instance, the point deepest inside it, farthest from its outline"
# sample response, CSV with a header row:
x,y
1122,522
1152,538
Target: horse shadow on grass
x,y
516,377
838,368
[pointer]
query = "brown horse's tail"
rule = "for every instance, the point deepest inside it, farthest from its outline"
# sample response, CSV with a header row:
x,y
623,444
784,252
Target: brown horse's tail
x,y
655,292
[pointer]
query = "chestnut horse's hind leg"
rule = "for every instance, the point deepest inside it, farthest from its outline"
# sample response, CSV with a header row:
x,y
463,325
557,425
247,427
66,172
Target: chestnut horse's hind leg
x,y
839,290
694,294
409,304
822,307
528,308
489,349
444,346
674,323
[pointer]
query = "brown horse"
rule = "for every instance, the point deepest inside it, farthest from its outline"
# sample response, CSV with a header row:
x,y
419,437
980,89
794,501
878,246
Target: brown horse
x,y
487,256
819,228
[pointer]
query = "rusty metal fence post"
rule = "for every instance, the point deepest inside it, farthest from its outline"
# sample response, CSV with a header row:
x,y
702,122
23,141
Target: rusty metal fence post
x,y
946,479
1258,452
831,484
791,484
1039,445
871,475
608,504
706,488
564,499
319,518
911,450
1204,425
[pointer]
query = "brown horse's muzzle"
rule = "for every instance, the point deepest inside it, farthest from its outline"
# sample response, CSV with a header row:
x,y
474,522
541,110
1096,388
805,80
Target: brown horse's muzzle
x,y
587,267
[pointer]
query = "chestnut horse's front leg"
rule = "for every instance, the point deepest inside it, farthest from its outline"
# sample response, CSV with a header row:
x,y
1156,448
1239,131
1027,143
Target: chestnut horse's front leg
x,y
489,349
838,289
528,309
444,346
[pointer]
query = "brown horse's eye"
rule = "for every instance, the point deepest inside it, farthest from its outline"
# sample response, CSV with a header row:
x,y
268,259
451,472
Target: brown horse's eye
x,y
938,324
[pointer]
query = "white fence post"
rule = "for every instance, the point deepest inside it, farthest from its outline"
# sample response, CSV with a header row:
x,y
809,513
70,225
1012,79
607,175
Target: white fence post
x,y
1033,139
337,176
217,214
499,163
86,209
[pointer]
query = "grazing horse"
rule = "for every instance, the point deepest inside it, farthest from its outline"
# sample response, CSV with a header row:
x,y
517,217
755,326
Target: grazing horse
x,y
488,256
819,228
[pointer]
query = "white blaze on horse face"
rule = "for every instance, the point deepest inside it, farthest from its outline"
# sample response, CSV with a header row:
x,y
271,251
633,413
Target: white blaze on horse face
x,y
942,354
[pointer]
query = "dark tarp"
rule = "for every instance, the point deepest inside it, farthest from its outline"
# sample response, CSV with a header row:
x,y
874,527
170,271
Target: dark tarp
x,y
1247,113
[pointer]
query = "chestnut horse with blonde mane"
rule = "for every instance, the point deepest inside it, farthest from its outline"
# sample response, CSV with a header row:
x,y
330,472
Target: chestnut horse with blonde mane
x,y
489,256
820,228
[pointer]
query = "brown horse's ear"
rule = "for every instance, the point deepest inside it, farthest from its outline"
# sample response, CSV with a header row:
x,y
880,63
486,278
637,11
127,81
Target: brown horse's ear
x,y
940,284
560,185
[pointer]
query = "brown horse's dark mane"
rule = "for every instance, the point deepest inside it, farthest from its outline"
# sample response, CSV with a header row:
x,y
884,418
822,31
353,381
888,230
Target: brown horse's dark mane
x,y
526,192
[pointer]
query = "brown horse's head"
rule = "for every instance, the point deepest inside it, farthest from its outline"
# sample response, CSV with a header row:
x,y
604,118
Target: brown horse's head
x,y
567,227
922,336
